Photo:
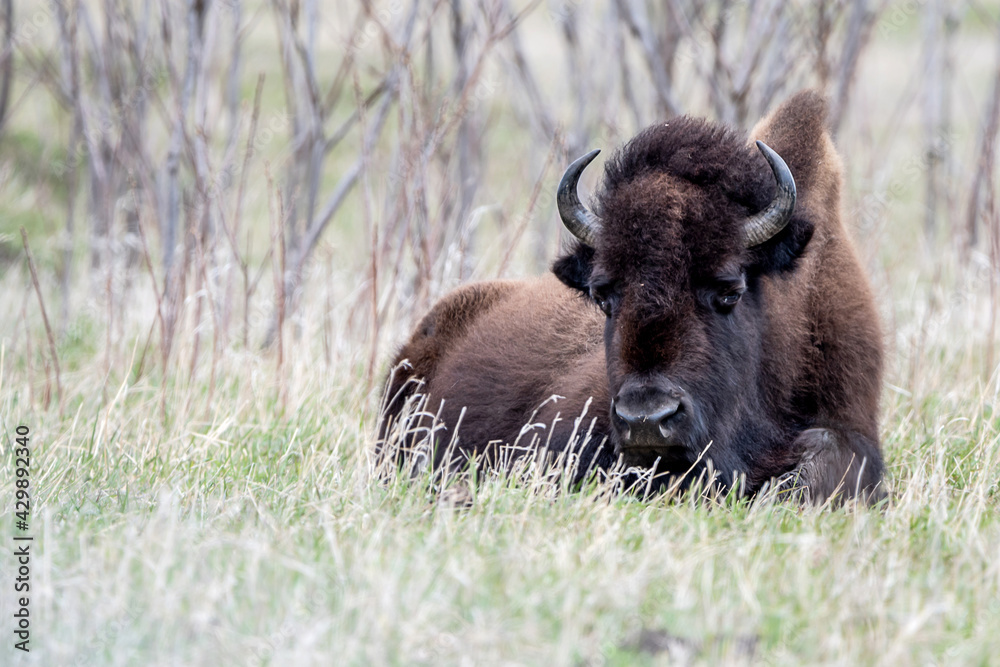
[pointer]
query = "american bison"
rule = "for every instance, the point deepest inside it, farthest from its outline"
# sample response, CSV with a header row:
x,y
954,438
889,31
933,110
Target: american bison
x,y
711,315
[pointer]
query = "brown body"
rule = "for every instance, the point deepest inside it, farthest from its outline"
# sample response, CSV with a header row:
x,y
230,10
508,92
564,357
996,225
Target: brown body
x,y
786,380
496,354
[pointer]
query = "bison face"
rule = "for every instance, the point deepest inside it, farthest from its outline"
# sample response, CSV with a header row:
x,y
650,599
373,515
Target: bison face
x,y
674,257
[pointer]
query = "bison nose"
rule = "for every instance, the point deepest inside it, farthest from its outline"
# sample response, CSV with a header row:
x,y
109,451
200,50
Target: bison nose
x,y
647,422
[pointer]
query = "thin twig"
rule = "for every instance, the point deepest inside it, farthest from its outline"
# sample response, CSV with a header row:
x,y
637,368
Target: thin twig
x,y
45,317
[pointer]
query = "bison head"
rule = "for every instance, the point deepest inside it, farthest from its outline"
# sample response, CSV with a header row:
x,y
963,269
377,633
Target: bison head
x,y
691,217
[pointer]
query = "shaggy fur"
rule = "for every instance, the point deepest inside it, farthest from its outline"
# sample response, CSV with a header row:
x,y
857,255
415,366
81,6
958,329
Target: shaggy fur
x,y
785,381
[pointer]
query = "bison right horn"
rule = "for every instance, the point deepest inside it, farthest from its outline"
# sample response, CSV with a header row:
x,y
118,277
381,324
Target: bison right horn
x,y
581,222
764,225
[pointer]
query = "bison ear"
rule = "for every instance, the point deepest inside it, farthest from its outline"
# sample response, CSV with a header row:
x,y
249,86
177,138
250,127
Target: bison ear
x,y
781,252
574,268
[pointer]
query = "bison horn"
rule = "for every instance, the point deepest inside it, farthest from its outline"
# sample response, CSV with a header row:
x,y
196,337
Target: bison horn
x,y
764,225
580,221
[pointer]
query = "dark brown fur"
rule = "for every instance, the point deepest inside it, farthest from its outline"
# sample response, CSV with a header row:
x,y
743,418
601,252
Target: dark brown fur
x,y
786,382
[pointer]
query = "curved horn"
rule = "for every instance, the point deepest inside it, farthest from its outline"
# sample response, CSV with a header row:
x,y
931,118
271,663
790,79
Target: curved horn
x,y
764,225
580,221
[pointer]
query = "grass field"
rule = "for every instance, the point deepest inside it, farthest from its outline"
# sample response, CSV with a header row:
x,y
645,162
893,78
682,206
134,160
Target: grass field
x,y
226,511
242,533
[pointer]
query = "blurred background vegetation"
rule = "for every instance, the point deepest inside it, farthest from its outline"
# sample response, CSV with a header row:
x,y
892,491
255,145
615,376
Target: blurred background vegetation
x,y
207,166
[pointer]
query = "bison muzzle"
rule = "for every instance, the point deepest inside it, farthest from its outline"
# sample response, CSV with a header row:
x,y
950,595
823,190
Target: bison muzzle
x,y
711,315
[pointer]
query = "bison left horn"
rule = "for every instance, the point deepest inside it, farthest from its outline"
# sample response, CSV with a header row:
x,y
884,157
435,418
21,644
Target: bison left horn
x,y
764,225
580,221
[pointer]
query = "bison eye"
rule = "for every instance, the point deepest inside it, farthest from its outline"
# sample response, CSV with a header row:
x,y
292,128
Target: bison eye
x,y
728,294
602,295
727,301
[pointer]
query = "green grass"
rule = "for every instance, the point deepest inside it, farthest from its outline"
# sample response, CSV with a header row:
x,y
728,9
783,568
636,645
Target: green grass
x,y
238,533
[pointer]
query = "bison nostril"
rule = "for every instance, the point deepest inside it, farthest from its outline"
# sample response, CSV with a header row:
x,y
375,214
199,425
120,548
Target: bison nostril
x,y
622,421
659,417
665,412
